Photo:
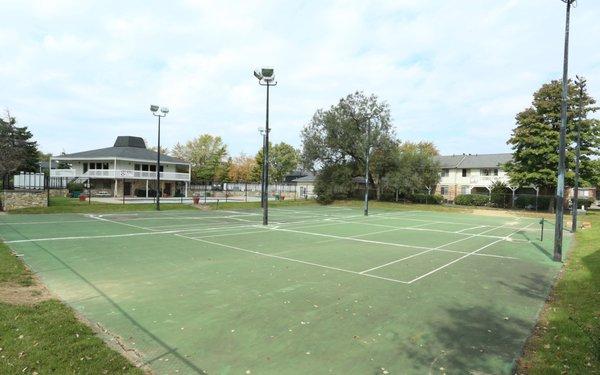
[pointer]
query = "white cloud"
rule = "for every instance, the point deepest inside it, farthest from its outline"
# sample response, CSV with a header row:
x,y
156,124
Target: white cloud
x,y
82,73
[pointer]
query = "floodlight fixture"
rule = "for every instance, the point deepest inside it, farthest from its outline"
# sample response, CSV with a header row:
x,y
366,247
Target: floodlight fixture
x,y
164,110
267,72
154,108
265,75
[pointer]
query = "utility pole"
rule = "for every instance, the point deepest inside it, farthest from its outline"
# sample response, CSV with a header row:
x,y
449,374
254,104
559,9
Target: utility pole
x,y
581,84
560,185
368,151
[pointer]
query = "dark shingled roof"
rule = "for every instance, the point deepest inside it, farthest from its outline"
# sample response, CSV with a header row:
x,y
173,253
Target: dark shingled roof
x,y
474,161
125,147
308,178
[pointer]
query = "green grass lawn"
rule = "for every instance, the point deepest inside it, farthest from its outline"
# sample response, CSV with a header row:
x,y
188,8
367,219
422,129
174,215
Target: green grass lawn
x,y
46,337
567,337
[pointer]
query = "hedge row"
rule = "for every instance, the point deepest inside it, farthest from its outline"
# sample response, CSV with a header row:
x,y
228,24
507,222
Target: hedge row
x,y
472,200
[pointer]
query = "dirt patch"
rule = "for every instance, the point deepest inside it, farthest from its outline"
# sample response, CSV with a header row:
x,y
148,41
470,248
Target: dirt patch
x,y
16,294
501,213
508,213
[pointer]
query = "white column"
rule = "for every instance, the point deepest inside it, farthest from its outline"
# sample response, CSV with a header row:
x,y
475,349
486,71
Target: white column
x,y
186,189
116,183
146,188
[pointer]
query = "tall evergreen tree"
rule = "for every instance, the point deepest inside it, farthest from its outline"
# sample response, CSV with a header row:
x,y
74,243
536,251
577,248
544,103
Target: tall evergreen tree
x,y
535,138
18,152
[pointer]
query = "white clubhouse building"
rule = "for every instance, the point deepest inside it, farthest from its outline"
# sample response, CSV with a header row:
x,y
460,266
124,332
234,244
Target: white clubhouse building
x,y
128,169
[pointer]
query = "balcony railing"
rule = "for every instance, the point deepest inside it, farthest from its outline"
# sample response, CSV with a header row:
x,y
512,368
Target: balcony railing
x,y
120,173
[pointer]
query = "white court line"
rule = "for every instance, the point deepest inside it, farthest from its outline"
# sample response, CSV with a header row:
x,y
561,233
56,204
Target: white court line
x,y
416,228
174,231
291,259
369,241
231,234
118,222
422,252
45,222
89,237
454,222
466,255
462,230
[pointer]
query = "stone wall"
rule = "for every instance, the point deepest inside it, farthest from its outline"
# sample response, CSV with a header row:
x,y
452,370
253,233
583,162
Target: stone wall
x,y
59,192
15,199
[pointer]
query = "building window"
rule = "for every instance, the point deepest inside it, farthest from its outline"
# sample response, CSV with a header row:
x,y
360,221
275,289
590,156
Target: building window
x,y
465,189
444,190
485,172
137,167
152,168
92,165
104,165
98,165
162,168
445,172
496,172
465,172
144,167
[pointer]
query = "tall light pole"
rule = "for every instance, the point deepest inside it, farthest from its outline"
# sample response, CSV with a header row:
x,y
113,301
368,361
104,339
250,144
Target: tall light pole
x,y
560,185
163,113
266,77
368,151
262,174
581,84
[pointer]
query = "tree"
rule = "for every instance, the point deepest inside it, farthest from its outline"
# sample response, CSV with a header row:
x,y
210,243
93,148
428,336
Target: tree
x,y
207,154
338,137
283,159
17,149
163,150
415,169
535,138
241,169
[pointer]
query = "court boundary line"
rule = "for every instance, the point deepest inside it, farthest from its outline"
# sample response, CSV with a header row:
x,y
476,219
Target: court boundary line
x,y
378,242
290,259
464,256
417,228
436,248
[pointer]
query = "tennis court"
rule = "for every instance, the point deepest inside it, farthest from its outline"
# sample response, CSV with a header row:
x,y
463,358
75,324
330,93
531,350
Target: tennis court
x,y
320,290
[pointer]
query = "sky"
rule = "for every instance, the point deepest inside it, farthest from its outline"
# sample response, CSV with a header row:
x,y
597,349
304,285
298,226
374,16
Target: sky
x,y
80,73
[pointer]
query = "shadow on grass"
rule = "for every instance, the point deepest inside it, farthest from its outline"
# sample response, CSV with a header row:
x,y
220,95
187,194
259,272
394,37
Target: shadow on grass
x,y
469,341
192,368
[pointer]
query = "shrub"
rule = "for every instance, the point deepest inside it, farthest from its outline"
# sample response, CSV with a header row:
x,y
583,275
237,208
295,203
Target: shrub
x,y
500,195
528,201
427,199
73,186
585,201
324,192
471,200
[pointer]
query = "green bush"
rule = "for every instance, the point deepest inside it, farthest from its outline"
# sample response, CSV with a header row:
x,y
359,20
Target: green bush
x,y
472,200
528,201
585,201
427,199
73,186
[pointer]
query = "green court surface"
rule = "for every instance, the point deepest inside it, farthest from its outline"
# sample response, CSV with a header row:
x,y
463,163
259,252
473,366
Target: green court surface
x,y
320,290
